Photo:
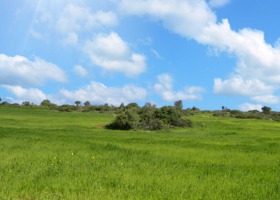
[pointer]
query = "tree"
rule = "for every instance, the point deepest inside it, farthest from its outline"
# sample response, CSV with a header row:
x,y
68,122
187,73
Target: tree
x,y
77,103
195,109
46,102
0,99
87,103
266,109
26,103
148,111
132,105
122,106
178,105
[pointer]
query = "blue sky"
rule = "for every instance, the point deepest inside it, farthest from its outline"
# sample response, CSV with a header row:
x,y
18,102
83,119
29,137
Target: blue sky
x,y
207,53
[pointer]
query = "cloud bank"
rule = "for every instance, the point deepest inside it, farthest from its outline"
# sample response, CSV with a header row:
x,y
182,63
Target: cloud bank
x,y
98,93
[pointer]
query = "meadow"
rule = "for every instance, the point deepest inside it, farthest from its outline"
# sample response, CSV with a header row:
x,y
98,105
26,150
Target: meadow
x,y
47,154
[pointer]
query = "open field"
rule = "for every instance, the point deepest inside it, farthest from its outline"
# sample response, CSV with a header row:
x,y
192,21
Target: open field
x,y
52,155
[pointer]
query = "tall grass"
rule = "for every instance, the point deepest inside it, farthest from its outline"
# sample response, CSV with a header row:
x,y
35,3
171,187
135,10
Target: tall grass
x,y
51,155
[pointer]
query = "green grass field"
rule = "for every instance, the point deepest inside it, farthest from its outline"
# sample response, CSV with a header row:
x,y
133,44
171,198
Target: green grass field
x,y
52,155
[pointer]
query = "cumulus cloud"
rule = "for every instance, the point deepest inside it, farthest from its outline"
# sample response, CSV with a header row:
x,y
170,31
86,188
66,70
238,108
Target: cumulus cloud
x,y
33,95
257,61
18,70
80,70
248,106
256,58
98,93
111,53
164,87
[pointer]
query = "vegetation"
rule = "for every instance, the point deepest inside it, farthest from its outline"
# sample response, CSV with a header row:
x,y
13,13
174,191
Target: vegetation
x,y
47,154
266,114
87,103
77,103
149,117
266,109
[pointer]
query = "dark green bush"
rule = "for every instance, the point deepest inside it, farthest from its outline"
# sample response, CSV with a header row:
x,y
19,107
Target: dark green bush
x,y
126,119
149,117
67,108
153,124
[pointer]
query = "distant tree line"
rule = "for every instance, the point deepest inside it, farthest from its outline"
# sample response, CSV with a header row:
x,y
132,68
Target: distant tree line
x,y
148,117
47,104
266,113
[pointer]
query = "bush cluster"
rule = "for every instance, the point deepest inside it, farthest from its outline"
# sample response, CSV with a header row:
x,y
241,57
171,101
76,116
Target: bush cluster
x,y
149,118
252,114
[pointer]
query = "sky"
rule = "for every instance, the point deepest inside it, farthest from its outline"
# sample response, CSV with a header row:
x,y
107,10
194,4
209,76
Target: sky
x,y
207,53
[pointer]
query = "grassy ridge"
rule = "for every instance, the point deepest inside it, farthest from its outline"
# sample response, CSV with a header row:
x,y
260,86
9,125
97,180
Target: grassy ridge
x,y
52,155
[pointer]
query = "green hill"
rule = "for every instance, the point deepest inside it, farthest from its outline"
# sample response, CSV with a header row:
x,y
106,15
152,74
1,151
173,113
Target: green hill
x,y
56,155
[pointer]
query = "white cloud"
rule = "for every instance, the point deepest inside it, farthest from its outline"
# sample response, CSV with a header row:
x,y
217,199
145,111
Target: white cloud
x,y
70,20
98,93
257,61
270,99
238,86
18,70
111,53
256,58
186,18
80,70
218,3
164,87
75,18
248,106
32,95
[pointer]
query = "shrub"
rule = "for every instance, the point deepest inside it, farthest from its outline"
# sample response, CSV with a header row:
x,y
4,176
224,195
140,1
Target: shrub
x,y
184,123
126,119
149,117
266,109
153,124
66,108
169,115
